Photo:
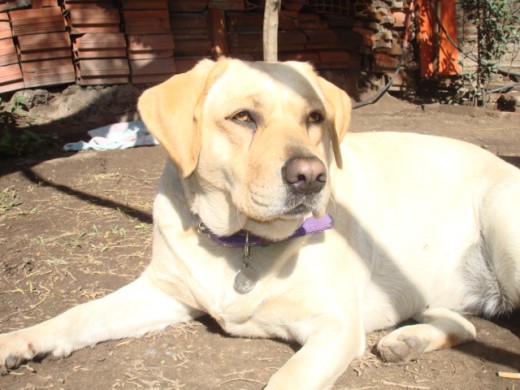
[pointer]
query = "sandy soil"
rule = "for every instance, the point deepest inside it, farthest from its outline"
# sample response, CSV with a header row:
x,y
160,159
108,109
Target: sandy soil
x,y
76,226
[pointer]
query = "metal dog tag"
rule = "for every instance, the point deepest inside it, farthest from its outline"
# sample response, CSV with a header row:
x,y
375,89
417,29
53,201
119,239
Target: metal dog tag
x,y
246,277
245,280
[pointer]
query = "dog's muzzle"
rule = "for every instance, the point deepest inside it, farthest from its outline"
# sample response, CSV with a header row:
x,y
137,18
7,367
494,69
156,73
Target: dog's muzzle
x,y
305,178
305,175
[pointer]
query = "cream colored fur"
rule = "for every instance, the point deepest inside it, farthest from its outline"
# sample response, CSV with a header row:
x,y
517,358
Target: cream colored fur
x,y
425,227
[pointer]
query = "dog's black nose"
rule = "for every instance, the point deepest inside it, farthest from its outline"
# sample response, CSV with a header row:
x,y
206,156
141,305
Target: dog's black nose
x,y
305,175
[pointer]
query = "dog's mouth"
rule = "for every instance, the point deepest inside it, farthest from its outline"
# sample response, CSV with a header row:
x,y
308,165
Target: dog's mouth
x,y
298,210
301,205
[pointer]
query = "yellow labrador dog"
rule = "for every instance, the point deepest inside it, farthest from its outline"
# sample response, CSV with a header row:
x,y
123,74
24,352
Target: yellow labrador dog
x,y
263,221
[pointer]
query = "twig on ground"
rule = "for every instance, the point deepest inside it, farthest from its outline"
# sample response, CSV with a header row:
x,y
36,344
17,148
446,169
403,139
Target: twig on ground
x,y
5,318
405,385
509,375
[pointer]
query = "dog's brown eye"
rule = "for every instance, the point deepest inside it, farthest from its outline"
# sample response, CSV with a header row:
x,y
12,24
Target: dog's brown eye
x,y
315,118
243,116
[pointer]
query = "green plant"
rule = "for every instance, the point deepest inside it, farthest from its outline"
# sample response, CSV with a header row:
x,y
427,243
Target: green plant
x,y
12,144
8,200
23,142
18,103
498,33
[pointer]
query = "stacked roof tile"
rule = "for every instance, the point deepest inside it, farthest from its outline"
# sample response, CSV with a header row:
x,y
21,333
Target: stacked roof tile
x,y
46,42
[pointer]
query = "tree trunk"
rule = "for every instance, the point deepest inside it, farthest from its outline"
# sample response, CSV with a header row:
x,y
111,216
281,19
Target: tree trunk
x,y
270,36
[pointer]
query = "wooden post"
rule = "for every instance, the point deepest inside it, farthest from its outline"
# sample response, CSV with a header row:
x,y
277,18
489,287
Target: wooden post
x,y
270,31
426,38
448,54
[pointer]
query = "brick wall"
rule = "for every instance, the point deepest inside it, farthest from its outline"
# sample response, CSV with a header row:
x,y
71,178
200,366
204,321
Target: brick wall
x,y
53,42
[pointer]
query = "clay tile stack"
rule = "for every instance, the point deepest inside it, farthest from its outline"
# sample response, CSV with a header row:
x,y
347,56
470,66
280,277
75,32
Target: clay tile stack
x,y
187,5
150,40
8,54
143,17
5,27
43,45
245,34
92,16
101,59
103,71
227,5
99,46
141,47
192,40
10,73
36,21
370,30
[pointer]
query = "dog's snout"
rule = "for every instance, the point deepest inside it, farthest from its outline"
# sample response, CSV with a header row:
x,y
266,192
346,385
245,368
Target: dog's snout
x,y
305,174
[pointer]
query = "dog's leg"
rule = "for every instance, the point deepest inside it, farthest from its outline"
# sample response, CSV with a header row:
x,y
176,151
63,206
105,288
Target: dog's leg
x,y
500,215
439,329
324,356
131,311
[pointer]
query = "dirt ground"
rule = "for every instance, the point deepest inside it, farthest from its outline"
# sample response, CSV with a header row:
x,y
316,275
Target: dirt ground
x,y
74,227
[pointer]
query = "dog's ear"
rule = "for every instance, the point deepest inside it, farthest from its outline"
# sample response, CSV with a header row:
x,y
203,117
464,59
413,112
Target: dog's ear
x,y
171,113
341,107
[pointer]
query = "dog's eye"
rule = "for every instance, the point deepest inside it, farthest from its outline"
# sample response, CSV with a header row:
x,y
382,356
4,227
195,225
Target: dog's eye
x,y
315,118
243,117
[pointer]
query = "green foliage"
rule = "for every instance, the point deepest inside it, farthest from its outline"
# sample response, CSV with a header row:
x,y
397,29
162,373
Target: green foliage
x,y
498,32
18,103
8,200
23,142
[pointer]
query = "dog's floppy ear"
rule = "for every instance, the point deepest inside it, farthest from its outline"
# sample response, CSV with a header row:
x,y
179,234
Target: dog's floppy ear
x,y
170,112
341,106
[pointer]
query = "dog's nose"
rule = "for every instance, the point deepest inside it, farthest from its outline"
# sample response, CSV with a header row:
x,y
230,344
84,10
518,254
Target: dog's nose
x,y
305,175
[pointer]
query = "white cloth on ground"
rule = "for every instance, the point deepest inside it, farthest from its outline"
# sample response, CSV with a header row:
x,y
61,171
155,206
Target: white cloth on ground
x,y
121,135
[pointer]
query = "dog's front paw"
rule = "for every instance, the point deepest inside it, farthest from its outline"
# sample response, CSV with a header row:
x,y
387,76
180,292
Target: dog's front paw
x,y
14,350
402,347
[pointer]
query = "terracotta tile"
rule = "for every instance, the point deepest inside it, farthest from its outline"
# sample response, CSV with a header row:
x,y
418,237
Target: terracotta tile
x,y
89,29
101,53
48,72
44,41
147,22
5,26
145,4
228,5
183,64
93,41
152,66
188,5
104,67
385,62
41,20
8,54
44,3
10,74
45,55
150,79
108,80
218,33
188,21
193,47
245,21
140,43
94,16
306,56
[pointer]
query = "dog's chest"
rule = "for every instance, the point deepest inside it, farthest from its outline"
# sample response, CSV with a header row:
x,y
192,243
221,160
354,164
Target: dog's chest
x,y
237,312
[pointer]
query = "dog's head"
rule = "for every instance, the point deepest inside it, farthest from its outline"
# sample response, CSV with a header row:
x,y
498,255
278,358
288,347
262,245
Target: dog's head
x,y
254,141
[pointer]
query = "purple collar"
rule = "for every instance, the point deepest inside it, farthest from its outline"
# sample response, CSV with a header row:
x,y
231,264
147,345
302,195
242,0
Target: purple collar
x,y
238,240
